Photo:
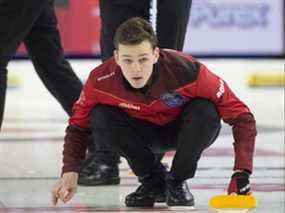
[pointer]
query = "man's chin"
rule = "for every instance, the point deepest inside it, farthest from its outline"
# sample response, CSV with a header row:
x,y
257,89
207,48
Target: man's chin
x,y
137,85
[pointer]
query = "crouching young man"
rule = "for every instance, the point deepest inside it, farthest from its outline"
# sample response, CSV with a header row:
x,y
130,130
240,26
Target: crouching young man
x,y
145,101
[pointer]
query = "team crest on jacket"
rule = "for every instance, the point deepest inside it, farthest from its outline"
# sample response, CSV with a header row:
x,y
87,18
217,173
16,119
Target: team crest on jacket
x,y
173,99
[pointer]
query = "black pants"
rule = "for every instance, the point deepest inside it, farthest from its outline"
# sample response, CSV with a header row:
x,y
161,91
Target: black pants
x,y
34,23
171,24
138,141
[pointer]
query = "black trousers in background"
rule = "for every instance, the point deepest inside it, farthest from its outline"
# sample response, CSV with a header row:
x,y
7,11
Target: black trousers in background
x,y
34,23
171,23
138,141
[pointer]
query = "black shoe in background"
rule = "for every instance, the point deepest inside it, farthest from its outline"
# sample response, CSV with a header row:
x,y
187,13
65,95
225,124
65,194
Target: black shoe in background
x,y
151,190
178,193
96,173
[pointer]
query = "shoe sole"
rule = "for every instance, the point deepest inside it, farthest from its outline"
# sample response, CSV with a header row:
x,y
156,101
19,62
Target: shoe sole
x,y
181,208
140,206
160,200
145,205
191,203
113,181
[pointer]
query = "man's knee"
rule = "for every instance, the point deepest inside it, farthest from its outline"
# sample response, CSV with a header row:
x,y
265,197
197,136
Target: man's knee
x,y
105,115
104,124
202,110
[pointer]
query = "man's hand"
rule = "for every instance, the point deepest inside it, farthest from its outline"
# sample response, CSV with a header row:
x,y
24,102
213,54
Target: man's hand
x,y
239,183
65,188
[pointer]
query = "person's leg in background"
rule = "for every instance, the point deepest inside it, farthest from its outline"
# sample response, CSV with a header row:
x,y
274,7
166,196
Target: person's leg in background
x,y
45,50
34,22
113,14
101,167
171,25
16,20
3,86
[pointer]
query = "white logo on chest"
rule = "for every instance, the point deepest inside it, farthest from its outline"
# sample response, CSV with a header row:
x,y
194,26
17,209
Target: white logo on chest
x,y
105,76
129,106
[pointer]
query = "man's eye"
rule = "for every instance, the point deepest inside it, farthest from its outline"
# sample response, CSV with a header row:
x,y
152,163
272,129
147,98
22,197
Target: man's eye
x,y
142,60
127,61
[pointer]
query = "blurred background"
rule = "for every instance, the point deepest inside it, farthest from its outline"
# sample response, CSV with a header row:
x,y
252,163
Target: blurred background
x,y
237,28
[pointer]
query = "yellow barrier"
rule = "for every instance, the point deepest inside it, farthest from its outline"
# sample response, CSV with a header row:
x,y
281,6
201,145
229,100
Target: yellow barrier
x,y
266,79
14,81
232,202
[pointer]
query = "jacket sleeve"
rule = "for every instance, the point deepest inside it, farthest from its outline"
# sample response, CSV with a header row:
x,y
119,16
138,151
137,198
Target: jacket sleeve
x,y
78,131
232,111
74,148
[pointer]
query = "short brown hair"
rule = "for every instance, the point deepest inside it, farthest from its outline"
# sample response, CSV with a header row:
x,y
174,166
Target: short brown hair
x,y
134,31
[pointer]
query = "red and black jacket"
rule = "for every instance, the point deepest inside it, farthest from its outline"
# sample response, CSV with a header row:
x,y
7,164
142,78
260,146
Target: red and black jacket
x,y
177,79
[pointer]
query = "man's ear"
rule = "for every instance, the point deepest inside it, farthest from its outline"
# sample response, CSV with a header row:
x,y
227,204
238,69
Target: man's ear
x,y
116,56
156,54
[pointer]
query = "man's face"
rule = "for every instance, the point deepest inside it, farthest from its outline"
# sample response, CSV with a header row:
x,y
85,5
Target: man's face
x,y
136,62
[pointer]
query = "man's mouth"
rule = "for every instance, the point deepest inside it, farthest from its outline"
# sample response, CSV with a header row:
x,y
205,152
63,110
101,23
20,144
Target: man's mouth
x,y
137,78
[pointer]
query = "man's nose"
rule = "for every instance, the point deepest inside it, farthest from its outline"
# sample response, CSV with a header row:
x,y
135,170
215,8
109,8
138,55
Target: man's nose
x,y
136,67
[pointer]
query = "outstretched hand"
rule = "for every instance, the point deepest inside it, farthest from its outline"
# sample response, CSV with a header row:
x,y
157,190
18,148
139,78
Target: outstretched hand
x,y
239,183
65,188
